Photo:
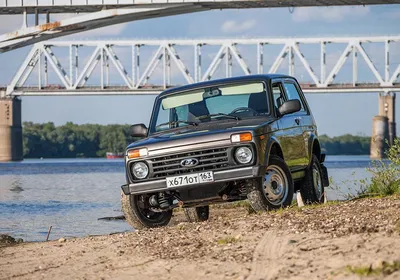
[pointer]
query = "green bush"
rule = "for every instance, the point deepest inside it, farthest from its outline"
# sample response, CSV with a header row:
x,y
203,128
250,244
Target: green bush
x,y
386,175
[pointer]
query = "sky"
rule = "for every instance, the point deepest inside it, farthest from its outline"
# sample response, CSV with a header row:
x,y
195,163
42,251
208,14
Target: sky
x,y
336,114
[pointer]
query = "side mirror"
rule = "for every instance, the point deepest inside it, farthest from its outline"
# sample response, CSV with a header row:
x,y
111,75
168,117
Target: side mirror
x,y
290,107
139,130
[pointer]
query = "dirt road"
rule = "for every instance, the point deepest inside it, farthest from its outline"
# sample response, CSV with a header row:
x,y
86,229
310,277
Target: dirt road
x,y
307,243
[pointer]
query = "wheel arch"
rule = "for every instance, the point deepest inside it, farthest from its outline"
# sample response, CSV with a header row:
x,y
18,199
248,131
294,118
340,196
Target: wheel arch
x,y
314,147
273,148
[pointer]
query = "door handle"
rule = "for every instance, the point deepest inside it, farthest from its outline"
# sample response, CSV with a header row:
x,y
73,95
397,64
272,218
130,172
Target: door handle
x,y
297,120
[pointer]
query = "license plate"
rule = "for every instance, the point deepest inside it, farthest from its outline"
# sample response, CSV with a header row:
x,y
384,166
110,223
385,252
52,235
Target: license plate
x,y
190,179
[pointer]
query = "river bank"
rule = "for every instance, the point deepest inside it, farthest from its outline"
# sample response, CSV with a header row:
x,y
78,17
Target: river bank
x,y
318,242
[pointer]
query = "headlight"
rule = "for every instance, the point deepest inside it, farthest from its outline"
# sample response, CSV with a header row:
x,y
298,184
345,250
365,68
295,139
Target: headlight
x,y
244,155
140,170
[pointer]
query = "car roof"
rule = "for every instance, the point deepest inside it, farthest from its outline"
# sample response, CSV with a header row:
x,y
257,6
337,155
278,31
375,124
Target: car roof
x,y
264,77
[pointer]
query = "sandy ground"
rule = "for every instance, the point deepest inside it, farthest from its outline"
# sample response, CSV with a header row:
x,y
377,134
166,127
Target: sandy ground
x,y
307,243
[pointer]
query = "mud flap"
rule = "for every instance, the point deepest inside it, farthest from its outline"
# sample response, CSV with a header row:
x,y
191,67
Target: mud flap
x,y
325,177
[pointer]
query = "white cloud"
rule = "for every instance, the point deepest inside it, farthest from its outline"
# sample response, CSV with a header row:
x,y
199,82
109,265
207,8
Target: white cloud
x,y
329,14
231,26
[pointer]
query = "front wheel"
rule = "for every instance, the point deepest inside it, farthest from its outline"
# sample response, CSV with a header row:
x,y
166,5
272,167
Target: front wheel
x,y
139,215
275,190
197,214
312,189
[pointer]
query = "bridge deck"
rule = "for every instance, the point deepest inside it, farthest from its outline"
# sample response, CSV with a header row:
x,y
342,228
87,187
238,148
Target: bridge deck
x,y
85,6
57,90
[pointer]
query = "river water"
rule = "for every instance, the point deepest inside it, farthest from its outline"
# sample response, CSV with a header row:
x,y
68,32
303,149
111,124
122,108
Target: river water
x,y
71,194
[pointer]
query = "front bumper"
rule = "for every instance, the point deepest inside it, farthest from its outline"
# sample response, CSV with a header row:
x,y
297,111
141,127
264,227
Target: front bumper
x,y
219,177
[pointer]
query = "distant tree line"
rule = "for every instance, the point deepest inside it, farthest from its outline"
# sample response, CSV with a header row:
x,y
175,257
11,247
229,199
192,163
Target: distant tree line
x,y
72,140
93,140
345,145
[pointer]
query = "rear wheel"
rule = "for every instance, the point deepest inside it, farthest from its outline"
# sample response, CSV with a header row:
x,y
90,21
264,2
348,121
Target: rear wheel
x,y
197,214
312,189
139,215
275,190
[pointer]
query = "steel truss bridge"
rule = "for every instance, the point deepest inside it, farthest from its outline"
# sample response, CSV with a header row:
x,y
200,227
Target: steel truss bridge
x,y
99,13
109,74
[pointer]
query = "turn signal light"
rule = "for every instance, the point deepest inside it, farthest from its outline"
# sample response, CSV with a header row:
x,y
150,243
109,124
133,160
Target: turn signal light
x,y
137,153
242,137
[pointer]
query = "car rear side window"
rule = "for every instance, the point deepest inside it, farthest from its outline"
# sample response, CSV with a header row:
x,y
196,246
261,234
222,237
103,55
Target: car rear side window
x,y
293,93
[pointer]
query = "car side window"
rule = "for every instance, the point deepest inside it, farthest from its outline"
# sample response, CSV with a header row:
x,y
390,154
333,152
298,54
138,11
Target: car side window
x,y
293,93
277,94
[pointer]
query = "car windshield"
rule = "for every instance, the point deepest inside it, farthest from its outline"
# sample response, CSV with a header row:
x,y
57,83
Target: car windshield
x,y
191,108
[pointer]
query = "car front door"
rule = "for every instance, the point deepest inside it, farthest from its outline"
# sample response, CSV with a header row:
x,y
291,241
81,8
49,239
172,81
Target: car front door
x,y
289,134
302,118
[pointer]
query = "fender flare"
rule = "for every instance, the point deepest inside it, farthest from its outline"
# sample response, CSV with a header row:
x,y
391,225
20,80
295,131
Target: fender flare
x,y
271,141
313,140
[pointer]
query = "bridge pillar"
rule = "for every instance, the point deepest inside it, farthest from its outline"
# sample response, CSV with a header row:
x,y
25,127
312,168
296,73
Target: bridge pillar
x,y
380,135
10,129
387,103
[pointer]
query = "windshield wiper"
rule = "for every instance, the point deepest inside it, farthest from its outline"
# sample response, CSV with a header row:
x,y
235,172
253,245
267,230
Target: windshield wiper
x,y
177,122
219,115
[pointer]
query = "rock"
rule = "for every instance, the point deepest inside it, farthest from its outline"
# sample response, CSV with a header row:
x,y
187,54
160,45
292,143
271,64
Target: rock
x,y
62,240
6,239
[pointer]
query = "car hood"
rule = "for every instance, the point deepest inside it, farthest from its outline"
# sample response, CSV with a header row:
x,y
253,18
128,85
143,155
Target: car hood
x,y
215,131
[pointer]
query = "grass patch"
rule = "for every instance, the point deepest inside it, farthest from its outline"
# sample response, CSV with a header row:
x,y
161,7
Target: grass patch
x,y
385,175
228,240
384,269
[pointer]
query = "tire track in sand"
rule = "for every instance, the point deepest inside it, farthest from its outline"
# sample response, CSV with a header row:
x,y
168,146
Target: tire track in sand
x,y
267,255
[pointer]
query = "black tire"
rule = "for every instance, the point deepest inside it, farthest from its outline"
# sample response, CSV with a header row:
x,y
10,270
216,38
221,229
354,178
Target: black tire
x,y
264,195
139,217
197,214
312,189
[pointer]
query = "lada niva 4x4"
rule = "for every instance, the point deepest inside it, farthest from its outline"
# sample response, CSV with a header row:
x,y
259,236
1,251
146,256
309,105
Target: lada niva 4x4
x,y
251,137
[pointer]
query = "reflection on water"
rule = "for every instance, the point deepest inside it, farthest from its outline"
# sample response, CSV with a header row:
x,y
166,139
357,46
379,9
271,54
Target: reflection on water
x,y
72,194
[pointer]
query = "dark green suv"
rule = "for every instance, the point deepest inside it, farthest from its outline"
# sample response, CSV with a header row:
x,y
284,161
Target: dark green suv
x,y
250,137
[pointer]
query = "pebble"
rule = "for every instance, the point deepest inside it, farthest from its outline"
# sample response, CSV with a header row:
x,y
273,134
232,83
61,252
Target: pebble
x,y
62,240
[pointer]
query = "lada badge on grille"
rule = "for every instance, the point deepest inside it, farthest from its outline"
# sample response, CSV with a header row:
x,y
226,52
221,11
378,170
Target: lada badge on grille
x,y
189,162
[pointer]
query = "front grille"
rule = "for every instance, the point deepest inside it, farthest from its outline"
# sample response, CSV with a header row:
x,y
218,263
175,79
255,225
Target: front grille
x,y
211,159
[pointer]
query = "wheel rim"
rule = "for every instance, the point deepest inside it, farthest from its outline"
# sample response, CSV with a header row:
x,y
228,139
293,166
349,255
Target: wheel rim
x,y
275,185
317,181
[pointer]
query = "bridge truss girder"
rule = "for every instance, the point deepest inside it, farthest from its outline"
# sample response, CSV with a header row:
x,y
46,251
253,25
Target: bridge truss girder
x,y
72,80
96,14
